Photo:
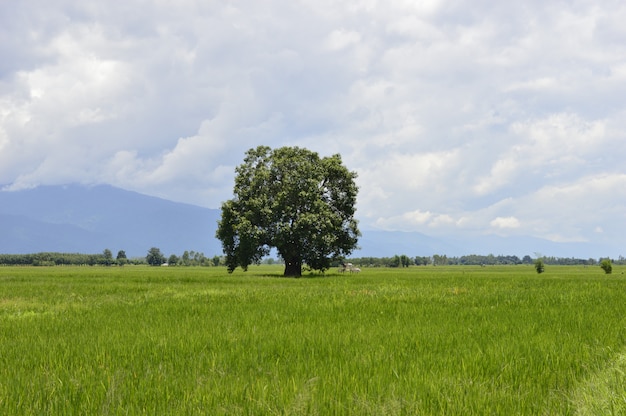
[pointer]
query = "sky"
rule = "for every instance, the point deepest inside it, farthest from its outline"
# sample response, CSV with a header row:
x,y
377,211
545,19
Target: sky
x,y
460,117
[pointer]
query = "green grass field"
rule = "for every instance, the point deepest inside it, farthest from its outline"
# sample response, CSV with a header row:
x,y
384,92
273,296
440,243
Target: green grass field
x,y
418,341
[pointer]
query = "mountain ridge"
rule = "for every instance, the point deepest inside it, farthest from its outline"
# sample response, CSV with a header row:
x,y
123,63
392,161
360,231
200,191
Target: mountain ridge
x,y
101,217
88,219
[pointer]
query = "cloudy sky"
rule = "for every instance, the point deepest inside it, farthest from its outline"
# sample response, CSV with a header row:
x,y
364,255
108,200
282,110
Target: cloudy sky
x,y
459,116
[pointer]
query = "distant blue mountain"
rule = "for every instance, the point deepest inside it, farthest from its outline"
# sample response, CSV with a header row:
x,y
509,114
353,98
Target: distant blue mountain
x,y
389,243
20,234
80,219
89,219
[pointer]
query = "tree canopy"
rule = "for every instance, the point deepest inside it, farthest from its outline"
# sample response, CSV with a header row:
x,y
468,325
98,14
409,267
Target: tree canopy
x,y
155,257
291,199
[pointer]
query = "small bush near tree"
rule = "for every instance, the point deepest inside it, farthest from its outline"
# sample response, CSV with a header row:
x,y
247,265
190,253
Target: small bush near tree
x,y
539,266
606,265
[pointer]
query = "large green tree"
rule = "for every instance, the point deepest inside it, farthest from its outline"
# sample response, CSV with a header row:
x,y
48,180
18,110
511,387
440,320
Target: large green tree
x,y
291,199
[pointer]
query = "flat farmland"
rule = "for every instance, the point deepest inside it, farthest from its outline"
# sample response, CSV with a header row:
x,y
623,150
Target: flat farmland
x,y
423,340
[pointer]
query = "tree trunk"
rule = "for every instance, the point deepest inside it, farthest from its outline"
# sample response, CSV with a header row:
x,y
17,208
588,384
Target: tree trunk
x,y
293,268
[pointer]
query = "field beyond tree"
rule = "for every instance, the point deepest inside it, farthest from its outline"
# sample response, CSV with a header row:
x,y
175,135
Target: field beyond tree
x,y
458,340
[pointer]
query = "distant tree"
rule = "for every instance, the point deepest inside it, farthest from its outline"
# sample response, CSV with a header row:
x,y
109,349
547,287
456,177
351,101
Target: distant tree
x,y
422,260
216,260
527,260
440,260
155,257
199,259
121,258
172,260
291,199
606,265
186,260
539,266
107,257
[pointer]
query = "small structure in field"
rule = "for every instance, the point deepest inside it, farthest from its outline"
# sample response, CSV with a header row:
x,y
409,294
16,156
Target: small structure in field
x,y
348,267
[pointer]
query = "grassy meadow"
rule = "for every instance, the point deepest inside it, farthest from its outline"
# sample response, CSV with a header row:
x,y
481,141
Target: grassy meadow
x,y
418,341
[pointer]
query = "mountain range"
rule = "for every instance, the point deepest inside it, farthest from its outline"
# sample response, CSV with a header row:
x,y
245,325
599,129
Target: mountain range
x,y
81,219
88,219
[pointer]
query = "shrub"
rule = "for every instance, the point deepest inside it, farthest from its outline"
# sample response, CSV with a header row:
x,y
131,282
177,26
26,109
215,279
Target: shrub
x,y
539,266
606,265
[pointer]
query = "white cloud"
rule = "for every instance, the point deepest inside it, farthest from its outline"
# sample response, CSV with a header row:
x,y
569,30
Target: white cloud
x,y
505,222
410,220
458,117
340,39
555,147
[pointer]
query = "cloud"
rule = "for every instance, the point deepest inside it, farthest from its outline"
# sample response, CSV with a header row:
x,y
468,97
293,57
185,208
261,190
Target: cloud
x,y
409,220
340,39
554,147
457,117
505,222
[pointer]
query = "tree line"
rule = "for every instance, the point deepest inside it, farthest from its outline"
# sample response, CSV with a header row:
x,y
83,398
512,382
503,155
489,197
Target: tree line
x,y
65,259
475,260
155,257
188,258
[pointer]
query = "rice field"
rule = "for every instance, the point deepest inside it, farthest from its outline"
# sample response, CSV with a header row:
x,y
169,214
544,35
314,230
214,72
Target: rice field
x,y
457,340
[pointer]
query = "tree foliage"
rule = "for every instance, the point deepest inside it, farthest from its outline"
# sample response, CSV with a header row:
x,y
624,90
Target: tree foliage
x,y
155,257
291,199
539,266
606,265
121,258
108,257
